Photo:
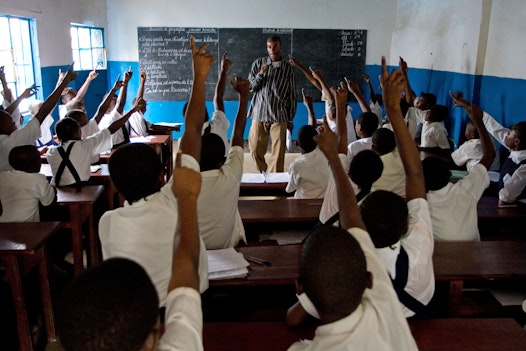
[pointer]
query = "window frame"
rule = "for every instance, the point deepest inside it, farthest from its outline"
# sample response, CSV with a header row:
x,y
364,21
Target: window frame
x,y
76,50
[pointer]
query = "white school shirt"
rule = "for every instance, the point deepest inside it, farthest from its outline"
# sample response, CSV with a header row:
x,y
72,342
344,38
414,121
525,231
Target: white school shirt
x,y
413,118
376,325
309,175
329,207
144,232
81,156
90,128
138,125
27,135
107,120
183,321
454,207
220,224
349,122
393,174
219,125
434,134
377,110
20,193
470,153
356,146
45,131
418,243
514,185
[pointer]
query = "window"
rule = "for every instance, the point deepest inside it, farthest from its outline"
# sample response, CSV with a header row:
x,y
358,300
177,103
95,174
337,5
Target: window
x,y
88,48
17,54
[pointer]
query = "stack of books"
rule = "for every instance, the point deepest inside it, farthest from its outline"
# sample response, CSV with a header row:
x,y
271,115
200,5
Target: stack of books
x,y
226,264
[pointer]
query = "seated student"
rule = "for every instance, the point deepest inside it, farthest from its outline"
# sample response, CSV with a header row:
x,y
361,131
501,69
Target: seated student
x,y
221,226
365,168
70,161
351,292
434,133
366,124
143,229
115,111
376,101
470,152
114,306
24,188
74,100
316,78
309,172
10,136
46,136
393,175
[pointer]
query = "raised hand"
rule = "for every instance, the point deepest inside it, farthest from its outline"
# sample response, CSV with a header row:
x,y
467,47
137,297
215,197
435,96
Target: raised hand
x,y
118,84
69,76
32,90
392,86
225,63
352,86
403,66
127,75
366,78
142,74
242,86
264,66
307,99
340,94
316,73
326,139
93,74
202,59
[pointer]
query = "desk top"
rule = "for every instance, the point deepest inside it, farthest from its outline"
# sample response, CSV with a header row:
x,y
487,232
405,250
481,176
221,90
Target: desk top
x,y
25,238
103,172
430,335
487,209
279,210
83,194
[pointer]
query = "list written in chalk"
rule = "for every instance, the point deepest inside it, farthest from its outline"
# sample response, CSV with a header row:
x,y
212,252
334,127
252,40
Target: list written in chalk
x,y
164,53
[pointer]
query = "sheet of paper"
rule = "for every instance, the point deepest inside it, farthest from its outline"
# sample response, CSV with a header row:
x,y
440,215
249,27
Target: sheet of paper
x,y
168,124
279,177
288,237
253,178
94,168
140,139
226,263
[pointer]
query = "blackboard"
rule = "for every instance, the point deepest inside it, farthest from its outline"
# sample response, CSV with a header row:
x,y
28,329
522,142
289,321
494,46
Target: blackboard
x,y
164,54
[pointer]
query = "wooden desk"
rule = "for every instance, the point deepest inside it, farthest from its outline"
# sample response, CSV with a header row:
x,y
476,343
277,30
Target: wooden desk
x,y
459,261
280,210
430,335
80,202
22,246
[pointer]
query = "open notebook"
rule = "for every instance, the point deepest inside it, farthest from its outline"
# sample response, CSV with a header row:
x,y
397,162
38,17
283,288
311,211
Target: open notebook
x,y
264,177
226,264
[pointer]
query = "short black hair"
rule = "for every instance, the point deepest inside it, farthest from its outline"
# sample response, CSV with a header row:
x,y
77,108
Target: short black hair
x,y
306,138
366,167
520,130
439,112
135,170
384,214
111,306
436,173
66,128
25,158
212,152
430,99
274,38
333,271
383,141
368,122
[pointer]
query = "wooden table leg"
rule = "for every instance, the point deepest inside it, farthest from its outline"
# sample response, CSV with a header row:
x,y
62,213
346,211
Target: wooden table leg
x,y
76,237
17,291
45,294
93,242
455,297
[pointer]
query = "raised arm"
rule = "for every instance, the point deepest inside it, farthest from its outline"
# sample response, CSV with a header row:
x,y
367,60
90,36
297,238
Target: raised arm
x,y
121,100
371,90
326,91
194,118
392,85
32,90
84,88
355,90
307,101
52,99
142,81
242,86
185,263
341,124
475,114
118,124
308,74
103,107
221,83
8,95
408,92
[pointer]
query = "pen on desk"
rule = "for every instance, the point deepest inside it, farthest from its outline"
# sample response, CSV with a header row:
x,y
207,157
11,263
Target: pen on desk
x,y
258,260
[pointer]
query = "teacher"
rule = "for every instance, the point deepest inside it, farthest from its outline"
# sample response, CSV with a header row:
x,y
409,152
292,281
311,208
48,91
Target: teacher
x,y
272,108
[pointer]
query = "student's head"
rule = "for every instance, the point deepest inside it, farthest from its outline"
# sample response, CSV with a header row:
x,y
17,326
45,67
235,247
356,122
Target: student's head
x,y
333,272
79,116
34,107
437,113
212,152
274,48
67,95
68,129
436,173
185,106
516,137
306,138
142,104
136,171
366,124
75,104
113,102
425,101
471,131
25,158
384,214
7,125
112,306
365,169
383,141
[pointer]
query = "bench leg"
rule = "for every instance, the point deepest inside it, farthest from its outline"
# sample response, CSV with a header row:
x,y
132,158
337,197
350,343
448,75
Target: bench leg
x,y
47,307
455,297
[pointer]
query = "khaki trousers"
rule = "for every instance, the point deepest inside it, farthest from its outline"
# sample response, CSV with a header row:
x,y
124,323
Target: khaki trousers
x,y
258,143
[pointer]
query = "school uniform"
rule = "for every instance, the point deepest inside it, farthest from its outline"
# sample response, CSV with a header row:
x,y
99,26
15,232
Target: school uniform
x,y
81,156
512,182
414,118
144,232
89,129
27,135
359,145
220,224
393,174
122,135
349,122
470,153
138,125
377,110
20,194
309,175
434,134
376,325
329,207
46,137
219,125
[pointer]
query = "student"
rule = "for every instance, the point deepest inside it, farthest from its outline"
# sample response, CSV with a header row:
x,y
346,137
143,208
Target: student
x,y
10,136
71,99
70,161
351,293
24,188
393,174
376,101
366,124
114,306
316,79
221,226
470,152
143,229
366,167
46,136
309,172
434,134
